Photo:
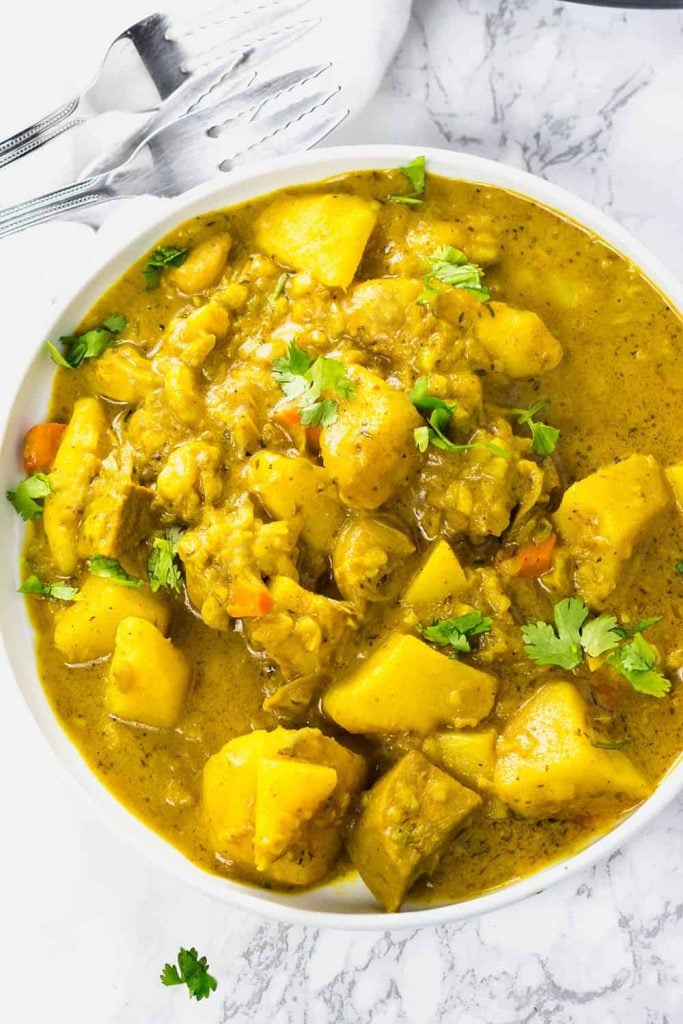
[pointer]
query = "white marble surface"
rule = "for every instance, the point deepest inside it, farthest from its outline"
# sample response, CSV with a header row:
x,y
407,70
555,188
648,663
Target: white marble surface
x,y
590,98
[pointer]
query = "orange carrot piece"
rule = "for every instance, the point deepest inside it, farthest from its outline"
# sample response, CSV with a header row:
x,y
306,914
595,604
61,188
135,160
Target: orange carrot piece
x,y
40,446
534,560
249,599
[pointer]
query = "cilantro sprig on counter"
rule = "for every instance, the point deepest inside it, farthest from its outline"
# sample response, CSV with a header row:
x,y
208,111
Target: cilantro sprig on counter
x,y
89,345
162,566
311,381
456,632
193,971
450,266
439,414
544,438
58,591
164,256
574,635
110,569
415,172
27,496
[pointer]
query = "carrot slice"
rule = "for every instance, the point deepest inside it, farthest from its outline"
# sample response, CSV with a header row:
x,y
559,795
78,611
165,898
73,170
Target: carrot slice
x,y
249,599
41,445
534,560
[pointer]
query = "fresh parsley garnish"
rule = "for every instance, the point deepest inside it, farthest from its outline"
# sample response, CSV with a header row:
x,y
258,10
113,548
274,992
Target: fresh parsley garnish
x,y
637,662
455,632
58,591
193,971
279,288
302,378
164,256
26,498
451,267
439,414
90,345
575,634
543,438
415,173
110,569
162,567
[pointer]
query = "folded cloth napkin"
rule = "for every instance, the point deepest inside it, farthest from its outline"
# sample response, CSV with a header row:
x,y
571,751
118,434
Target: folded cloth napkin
x,y
358,37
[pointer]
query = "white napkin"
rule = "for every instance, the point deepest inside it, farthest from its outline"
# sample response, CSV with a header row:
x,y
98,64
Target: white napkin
x,y
359,37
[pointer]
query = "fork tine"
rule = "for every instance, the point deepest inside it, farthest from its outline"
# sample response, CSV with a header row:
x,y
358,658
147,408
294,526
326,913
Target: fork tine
x,y
263,46
215,19
301,134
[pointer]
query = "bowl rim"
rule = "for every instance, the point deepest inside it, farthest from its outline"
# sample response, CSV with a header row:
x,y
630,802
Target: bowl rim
x,y
259,178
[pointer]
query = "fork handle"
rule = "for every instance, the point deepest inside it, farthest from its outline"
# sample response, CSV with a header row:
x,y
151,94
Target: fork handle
x,y
55,204
49,127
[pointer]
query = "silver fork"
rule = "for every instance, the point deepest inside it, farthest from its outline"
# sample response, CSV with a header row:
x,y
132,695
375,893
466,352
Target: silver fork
x,y
147,63
290,111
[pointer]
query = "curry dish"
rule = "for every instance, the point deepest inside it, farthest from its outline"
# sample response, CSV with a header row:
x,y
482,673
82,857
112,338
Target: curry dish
x,y
355,537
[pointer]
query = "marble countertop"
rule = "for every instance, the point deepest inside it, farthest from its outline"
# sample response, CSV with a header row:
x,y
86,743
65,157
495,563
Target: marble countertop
x,y
589,98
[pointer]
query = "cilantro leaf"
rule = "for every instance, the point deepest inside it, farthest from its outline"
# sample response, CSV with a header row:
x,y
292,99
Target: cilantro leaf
x,y
110,569
300,377
637,662
455,632
279,288
90,345
543,437
162,568
600,635
440,415
164,256
678,568
451,267
58,591
25,499
193,971
415,172
640,627
560,646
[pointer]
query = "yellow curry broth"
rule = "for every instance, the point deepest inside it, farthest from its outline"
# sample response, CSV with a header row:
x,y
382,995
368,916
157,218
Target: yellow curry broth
x,y
616,391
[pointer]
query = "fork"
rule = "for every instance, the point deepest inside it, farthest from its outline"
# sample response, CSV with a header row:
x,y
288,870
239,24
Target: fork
x,y
147,63
283,113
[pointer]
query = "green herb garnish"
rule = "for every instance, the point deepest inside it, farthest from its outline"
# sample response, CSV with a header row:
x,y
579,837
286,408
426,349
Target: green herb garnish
x,y
90,345
455,632
26,498
543,438
678,568
439,414
415,173
451,267
164,256
162,567
58,591
637,662
610,744
279,288
193,971
110,569
301,377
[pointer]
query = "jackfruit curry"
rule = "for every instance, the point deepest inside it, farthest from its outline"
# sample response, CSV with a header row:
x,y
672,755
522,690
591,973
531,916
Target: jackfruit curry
x,y
355,537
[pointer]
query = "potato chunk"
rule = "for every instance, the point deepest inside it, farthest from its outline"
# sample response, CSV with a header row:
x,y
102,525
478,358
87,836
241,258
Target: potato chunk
x,y
674,475
123,374
366,555
87,629
324,234
439,577
602,517
148,677
548,767
469,755
407,818
275,802
370,450
78,460
406,686
203,266
516,342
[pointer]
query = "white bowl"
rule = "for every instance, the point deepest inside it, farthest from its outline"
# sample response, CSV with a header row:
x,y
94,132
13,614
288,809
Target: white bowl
x,y
346,904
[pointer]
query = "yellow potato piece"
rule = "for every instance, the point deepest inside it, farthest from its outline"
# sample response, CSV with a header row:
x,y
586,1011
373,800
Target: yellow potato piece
x,y
204,265
87,629
288,794
548,767
439,577
322,234
123,374
78,461
469,756
674,475
516,342
602,517
406,686
148,677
